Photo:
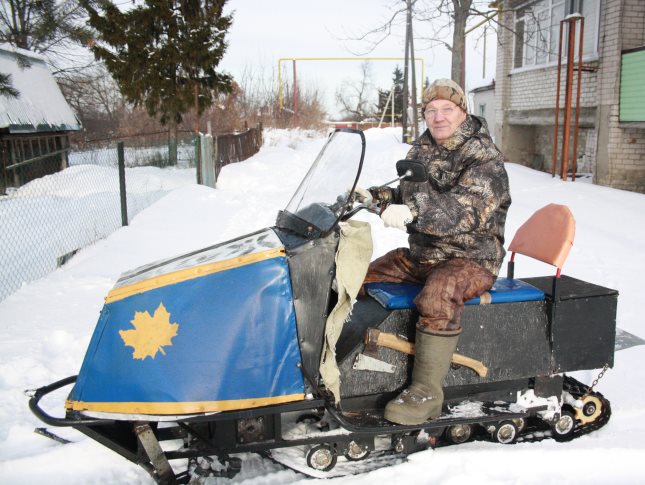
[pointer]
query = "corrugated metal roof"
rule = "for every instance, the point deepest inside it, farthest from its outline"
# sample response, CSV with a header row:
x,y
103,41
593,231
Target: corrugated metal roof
x,y
41,106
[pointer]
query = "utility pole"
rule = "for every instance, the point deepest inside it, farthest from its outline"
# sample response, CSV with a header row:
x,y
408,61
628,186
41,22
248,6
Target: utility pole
x,y
404,103
415,121
295,91
484,63
409,58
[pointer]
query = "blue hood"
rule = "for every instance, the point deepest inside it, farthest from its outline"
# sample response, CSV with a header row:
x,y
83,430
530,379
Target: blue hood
x,y
210,331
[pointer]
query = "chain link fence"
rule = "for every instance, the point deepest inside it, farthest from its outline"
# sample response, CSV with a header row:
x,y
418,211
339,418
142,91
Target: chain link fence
x,y
47,220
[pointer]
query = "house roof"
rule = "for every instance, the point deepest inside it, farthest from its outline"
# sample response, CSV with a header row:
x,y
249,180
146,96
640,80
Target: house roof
x,y
41,106
487,87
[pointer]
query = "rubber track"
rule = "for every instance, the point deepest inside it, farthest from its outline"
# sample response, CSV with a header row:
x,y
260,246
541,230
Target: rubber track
x,y
577,390
536,430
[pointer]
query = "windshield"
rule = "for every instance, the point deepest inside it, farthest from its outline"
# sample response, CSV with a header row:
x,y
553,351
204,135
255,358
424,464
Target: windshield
x,y
323,195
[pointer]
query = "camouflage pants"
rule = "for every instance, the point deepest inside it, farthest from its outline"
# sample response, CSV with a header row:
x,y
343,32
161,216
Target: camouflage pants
x,y
446,286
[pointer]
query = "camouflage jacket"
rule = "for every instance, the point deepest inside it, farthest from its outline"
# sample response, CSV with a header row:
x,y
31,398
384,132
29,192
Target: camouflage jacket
x,y
460,211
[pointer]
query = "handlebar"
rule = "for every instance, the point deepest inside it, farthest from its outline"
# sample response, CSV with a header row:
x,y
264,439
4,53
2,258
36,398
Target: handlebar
x,y
351,213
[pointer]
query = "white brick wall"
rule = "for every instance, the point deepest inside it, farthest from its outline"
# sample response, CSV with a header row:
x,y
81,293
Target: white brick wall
x,y
535,89
626,145
633,25
615,152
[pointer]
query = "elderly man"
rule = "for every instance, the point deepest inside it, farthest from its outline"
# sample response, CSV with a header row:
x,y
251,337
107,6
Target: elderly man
x,y
455,222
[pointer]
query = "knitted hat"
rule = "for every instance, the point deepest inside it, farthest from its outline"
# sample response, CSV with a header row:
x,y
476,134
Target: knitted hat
x,y
445,89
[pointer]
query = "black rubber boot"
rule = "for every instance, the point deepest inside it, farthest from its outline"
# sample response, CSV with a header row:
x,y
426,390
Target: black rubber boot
x,y
423,399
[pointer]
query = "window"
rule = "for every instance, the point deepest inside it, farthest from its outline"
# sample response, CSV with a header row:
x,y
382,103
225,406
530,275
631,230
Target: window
x,y
537,30
632,79
482,110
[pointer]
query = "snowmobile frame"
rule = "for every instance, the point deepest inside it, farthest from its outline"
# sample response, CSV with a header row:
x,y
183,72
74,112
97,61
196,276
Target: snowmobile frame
x,y
560,328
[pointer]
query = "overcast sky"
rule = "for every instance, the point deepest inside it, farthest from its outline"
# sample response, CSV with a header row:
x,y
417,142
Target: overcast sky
x,y
265,31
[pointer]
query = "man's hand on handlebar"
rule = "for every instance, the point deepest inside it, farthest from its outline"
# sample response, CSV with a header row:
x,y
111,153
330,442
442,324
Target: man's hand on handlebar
x,y
363,196
376,198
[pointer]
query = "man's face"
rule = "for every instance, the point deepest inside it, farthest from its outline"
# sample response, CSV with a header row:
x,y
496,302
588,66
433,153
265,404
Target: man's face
x,y
442,118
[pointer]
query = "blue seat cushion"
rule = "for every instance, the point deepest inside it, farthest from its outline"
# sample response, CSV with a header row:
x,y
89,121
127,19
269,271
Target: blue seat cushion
x,y
398,296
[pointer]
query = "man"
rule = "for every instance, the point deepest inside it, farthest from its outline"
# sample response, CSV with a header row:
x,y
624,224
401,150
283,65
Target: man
x,y
456,224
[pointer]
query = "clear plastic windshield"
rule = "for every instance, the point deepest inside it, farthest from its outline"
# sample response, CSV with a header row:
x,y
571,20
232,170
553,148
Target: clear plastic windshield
x,y
323,195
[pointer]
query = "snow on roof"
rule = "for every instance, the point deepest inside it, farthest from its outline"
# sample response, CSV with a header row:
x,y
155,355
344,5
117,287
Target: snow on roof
x,y
41,106
486,87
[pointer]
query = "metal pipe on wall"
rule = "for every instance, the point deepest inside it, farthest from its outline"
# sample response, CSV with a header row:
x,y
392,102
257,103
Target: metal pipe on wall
x,y
568,94
557,105
566,135
574,164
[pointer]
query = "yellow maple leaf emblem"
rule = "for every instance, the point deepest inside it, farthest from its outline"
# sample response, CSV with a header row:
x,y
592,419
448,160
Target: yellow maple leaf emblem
x,y
150,334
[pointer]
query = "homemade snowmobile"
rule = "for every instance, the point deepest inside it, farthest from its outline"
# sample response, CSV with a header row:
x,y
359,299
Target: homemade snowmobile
x,y
217,352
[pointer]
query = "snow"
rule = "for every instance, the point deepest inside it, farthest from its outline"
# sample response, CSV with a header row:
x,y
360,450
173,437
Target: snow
x,y
46,325
40,102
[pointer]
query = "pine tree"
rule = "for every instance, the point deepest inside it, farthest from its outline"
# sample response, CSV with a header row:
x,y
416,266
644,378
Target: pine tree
x,y
384,94
6,87
164,54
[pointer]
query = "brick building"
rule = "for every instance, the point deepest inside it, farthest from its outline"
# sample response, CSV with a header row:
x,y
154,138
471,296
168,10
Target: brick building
x,y
483,104
611,142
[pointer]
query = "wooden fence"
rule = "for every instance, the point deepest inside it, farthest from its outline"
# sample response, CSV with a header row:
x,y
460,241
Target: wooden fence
x,y
219,150
24,158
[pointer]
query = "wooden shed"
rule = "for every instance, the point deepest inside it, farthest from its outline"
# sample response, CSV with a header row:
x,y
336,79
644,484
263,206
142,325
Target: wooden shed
x,y
35,126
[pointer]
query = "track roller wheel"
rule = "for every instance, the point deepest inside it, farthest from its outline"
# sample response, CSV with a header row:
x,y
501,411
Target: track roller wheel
x,y
322,458
505,432
563,427
356,452
459,433
591,409
520,423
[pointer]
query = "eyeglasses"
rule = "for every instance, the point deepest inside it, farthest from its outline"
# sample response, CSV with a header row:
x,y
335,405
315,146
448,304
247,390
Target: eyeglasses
x,y
432,113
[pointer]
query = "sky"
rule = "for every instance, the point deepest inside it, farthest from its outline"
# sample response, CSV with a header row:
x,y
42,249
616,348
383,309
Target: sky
x,y
46,325
264,32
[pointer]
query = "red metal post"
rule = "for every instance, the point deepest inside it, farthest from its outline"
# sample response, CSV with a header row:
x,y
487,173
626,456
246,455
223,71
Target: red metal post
x,y
557,105
577,119
567,99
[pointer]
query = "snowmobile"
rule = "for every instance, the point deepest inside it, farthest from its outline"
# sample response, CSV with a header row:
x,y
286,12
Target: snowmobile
x,y
208,355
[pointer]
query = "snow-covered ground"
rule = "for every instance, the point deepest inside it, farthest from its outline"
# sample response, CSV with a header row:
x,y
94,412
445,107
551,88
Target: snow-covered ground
x,y
46,325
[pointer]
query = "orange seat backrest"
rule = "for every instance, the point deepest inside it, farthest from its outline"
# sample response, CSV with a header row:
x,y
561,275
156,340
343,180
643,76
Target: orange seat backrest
x,y
547,235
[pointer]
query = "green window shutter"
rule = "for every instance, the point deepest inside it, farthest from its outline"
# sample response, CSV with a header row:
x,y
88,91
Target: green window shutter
x,y
632,86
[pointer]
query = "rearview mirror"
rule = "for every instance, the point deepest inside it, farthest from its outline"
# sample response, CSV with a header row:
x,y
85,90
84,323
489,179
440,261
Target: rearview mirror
x,y
411,170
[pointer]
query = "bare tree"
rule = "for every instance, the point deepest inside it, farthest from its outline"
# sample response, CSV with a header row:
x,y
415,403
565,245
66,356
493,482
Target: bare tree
x,y
55,28
458,14
353,97
438,23
255,99
95,98
311,112
258,94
